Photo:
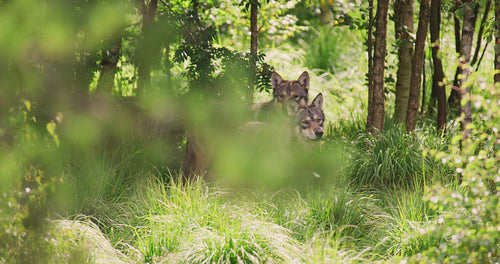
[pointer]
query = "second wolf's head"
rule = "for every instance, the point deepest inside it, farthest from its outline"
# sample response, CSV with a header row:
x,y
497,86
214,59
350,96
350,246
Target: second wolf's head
x,y
285,90
309,119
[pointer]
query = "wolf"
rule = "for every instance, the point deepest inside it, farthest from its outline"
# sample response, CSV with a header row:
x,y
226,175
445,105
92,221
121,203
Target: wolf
x,y
309,119
284,91
306,121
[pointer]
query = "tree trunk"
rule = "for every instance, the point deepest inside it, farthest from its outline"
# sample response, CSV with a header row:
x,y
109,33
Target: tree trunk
x,y
197,159
146,50
497,42
417,66
403,16
378,67
455,94
254,43
465,54
480,34
109,64
438,77
424,85
369,44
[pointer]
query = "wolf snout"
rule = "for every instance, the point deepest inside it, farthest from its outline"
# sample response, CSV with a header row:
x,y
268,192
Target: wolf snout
x,y
319,133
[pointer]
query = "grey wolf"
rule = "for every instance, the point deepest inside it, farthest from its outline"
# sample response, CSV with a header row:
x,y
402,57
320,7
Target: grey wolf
x,y
284,91
309,119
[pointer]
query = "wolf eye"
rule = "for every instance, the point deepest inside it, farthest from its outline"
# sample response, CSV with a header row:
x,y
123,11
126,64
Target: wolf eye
x,y
305,123
295,97
281,97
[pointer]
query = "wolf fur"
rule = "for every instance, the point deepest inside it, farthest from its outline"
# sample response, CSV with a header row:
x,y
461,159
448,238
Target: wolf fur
x,y
309,119
284,91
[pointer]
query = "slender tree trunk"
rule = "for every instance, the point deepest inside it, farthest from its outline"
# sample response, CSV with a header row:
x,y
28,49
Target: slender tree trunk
x,y
378,67
146,48
438,76
369,44
168,65
497,42
417,66
465,54
424,85
455,94
254,43
480,34
403,16
109,64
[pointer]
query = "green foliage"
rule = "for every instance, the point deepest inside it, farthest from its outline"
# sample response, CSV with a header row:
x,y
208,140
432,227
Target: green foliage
x,y
30,180
208,66
395,159
98,159
328,49
276,20
470,214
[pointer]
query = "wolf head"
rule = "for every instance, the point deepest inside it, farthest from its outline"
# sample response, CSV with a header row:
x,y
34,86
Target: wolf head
x,y
309,119
284,90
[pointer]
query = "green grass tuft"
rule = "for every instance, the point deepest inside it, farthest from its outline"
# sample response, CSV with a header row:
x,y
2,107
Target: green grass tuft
x,y
395,159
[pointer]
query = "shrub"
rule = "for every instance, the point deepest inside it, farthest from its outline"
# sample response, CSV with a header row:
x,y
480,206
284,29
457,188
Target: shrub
x,y
471,214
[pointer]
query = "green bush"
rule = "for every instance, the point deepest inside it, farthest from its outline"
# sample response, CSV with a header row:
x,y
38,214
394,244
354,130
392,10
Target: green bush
x,y
470,218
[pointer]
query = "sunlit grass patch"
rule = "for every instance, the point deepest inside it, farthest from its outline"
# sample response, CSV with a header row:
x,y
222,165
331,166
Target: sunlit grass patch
x,y
195,224
83,242
352,215
320,249
409,223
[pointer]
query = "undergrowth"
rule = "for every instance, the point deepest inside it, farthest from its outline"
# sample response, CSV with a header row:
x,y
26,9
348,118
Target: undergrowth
x,y
397,159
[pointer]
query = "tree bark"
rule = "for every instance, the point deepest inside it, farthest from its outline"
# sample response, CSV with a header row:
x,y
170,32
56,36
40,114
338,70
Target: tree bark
x,y
369,44
497,42
109,64
455,94
146,48
438,77
465,54
254,42
403,16
480,34
417,66
378,67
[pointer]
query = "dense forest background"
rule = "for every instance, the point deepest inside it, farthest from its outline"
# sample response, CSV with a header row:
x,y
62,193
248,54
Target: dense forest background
x,y
101,99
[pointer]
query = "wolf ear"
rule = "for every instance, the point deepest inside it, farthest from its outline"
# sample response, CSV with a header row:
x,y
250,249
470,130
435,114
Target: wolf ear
x,y
304,80
275,80
318,101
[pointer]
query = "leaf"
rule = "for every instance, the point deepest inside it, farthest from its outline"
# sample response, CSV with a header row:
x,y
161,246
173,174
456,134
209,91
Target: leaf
x,y
27,104
51,128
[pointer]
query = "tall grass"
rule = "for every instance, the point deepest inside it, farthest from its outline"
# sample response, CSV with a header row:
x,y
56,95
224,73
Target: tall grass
x,y
195,224
409,221
395,159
